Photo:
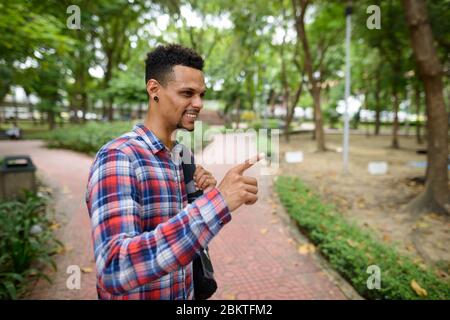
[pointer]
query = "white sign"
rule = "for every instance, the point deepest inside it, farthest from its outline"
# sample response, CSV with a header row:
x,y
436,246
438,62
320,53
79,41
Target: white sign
x,y
378,167
294,156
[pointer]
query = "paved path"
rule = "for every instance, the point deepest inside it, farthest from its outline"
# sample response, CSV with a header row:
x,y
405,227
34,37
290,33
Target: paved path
x,y
255,256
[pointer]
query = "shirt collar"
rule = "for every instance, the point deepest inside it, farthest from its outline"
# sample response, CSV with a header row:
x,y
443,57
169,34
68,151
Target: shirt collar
x,y
152,140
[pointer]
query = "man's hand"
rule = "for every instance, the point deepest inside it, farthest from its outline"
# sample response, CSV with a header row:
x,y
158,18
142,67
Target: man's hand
x,y
203,179
238,189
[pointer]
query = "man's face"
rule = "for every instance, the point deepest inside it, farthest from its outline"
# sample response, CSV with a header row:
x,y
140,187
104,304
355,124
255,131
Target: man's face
x,y
181,100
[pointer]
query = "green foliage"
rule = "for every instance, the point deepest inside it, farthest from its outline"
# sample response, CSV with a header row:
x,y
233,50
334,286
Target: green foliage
x,y
26,244
332,116
351,250
270,124
88,138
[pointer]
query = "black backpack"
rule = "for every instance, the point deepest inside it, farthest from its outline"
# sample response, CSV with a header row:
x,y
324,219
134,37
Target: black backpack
x,y
203,273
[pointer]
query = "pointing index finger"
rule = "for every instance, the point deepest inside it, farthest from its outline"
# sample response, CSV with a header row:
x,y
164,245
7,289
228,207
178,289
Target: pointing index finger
x,y
240,168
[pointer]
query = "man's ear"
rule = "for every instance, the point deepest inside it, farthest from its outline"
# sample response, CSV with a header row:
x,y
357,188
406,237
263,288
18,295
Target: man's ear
x,y
153,88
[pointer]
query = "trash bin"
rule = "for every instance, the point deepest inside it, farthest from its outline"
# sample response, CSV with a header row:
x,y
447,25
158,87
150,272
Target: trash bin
x,y
17,173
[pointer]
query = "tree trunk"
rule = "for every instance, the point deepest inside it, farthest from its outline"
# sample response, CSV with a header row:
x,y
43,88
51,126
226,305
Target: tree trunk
x,y
395,143
417,101
435,197
31,107
377,105
318,122
110,110
377,119
406,124
16,106
73,108
51,120
238,112
84,105
291,109
273,96
140,110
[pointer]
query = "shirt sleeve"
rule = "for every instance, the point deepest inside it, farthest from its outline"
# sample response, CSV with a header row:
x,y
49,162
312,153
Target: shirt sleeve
x,y
126,257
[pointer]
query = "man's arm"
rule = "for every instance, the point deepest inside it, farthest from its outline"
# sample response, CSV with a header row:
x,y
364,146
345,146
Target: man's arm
x,y
126,257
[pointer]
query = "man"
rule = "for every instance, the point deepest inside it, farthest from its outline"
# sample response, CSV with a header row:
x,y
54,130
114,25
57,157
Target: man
x,y
145,234
14,131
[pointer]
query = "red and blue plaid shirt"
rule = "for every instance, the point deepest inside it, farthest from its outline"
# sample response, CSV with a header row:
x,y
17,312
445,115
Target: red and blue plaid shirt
x,y
145,234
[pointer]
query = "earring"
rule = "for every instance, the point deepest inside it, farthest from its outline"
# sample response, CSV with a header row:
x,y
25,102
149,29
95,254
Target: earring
x,y
156,98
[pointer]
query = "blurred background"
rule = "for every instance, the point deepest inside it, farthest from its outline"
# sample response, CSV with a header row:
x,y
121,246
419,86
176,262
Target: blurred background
x,y
72,77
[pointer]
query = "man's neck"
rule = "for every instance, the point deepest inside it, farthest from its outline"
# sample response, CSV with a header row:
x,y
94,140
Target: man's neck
x,y
162,132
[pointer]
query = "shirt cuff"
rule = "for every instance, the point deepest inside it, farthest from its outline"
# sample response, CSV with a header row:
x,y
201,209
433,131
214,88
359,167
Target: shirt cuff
x,y
214,210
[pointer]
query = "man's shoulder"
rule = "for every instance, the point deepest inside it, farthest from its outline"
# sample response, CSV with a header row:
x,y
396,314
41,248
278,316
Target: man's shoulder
x,y
128,143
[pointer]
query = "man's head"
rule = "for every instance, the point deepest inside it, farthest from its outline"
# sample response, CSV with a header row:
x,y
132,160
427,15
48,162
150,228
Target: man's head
x,y
175,85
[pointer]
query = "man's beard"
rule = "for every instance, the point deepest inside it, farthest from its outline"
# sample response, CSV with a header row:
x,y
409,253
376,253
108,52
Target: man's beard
x,y
179,126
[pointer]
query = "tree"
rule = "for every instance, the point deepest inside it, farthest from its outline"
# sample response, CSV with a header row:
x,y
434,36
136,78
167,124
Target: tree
x,y
299,9
28,34
290,84
436,194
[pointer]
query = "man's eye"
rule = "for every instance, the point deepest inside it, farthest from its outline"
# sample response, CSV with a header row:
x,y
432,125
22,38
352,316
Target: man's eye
x,y
187,94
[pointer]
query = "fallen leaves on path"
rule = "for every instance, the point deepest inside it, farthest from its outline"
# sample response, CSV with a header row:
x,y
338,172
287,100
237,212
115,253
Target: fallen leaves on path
x,y
86,270
230,296
55,226
60,249
305,249
361,203
421,225
421,292
65,189
264,231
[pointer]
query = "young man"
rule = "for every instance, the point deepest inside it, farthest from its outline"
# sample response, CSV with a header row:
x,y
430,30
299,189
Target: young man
x,y
145,234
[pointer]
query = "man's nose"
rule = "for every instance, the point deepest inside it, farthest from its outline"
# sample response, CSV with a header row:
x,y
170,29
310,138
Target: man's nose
x,y
197,102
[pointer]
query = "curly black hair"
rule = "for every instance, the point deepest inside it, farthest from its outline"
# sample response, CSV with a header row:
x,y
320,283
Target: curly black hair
x,y
159,62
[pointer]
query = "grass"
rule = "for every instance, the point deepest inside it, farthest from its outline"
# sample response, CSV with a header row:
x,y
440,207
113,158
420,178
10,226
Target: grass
x,y
351,250
27,244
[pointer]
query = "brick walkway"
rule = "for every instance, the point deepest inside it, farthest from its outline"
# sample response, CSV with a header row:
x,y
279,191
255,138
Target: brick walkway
x,y
255,256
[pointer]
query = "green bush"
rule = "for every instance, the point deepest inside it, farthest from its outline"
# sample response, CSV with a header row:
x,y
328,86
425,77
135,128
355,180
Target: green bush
x,y
26,244
88,138
271,124
91,137
351,250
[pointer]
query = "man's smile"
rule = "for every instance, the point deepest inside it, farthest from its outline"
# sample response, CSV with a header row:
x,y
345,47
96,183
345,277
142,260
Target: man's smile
x,y
190,114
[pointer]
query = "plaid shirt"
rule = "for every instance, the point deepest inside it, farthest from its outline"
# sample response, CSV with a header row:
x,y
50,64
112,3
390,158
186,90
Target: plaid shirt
x,y
145,233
